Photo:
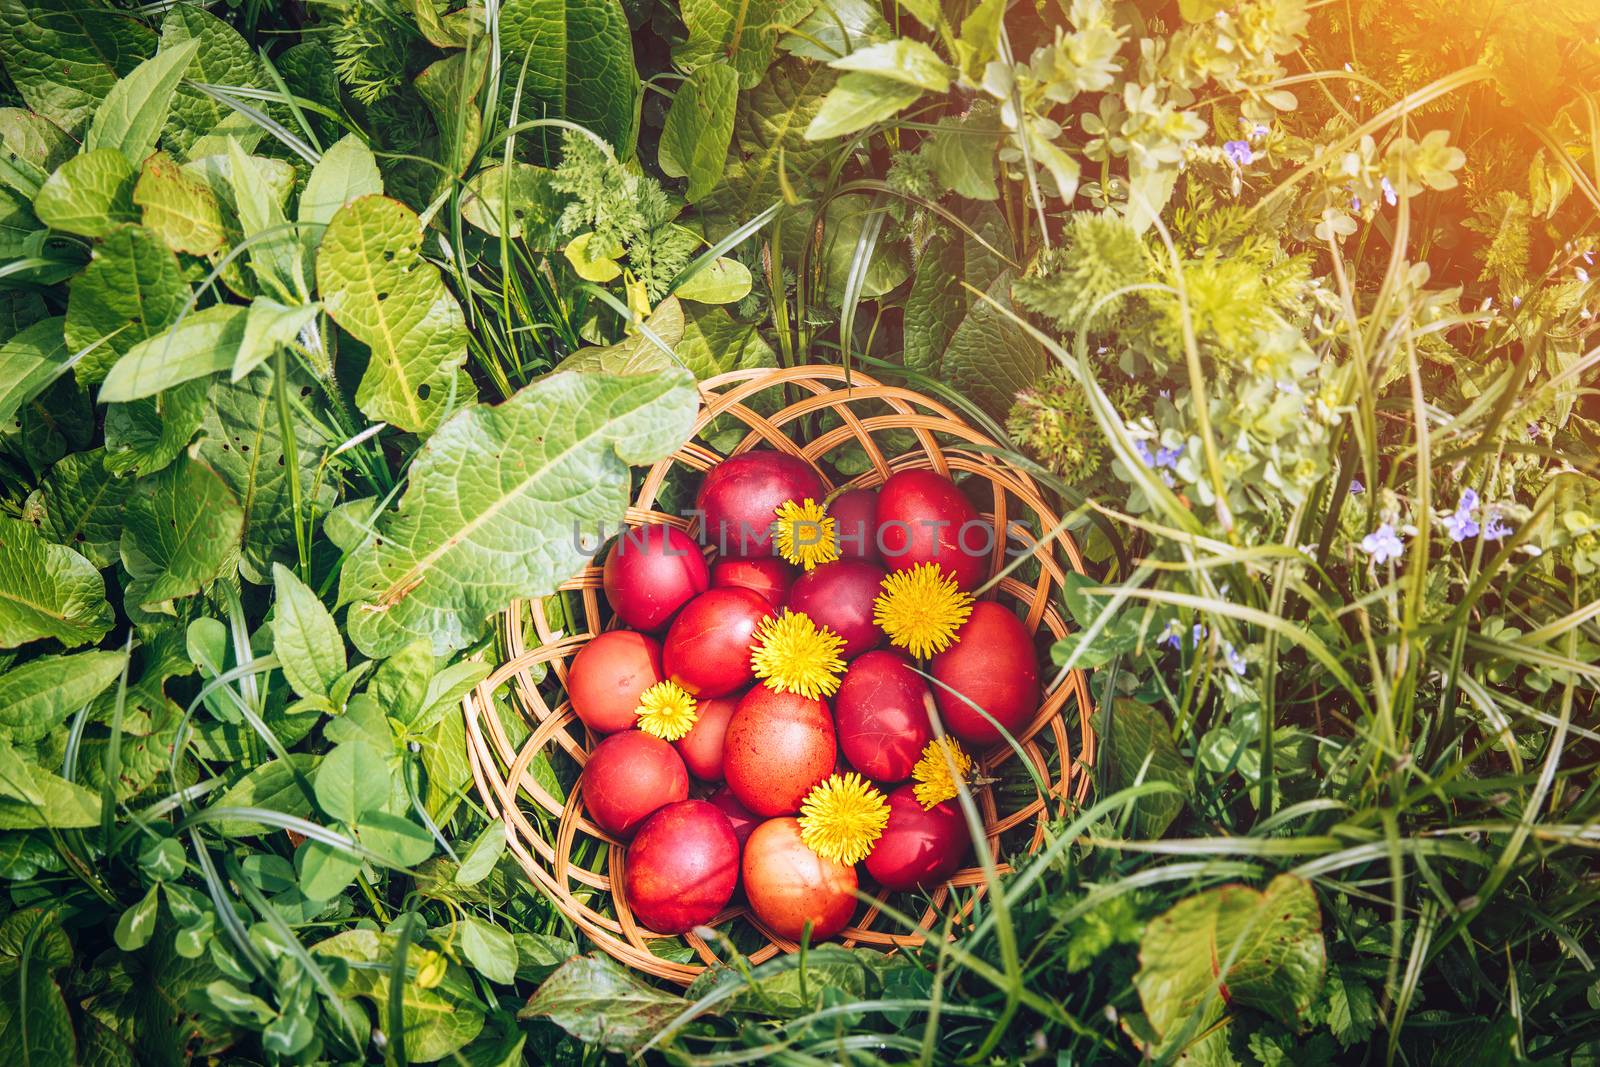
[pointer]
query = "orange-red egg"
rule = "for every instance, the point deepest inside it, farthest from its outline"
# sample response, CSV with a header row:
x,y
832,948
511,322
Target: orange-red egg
x,y
740,496
918,849
882,715
767,575
778,746
627,777
924,517
707,650
789,886
651,572
607,676
701,747
992,664
839,596
855,523
682,867
744,821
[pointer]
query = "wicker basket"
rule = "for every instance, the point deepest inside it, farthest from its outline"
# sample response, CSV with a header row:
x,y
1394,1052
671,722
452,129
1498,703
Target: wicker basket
x,y
551,836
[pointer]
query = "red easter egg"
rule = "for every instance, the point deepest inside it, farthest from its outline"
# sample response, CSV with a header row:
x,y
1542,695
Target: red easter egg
x,y
881,715
924,518
993,665
739,499
918,848
707,650
839,596
627,777
778,746
740,816
682,867
788,885
701,747
855,518
767,575
607,676
651,572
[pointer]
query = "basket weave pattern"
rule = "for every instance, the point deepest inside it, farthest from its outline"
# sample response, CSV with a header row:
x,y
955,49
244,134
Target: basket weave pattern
x,y
545,830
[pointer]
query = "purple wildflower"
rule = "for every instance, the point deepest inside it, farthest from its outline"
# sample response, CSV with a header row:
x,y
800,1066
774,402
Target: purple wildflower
x,y
1493,528
1389,195
1382,544
1239,153
1356,488
1236,662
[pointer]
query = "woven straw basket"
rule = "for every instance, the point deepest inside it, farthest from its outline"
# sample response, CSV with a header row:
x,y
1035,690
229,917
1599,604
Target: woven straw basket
x,y
548,831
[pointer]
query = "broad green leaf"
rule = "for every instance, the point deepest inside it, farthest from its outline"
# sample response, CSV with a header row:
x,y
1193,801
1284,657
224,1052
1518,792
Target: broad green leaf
x,y
201,125
182,532
16,776
147,1002
23,855
347,171
858,100
138,922
401,682
163,859
485,853
590,263
43,1034
242,440
29,362
202,343
272,787
722,281
521,194
699,128
35,139
439,1016
274,249
836,28
1142,751
599,1002
938,301
269,326
324,870
580,64
550,460
89,194
63,805
635,354
745,32
375,283
47,590
131,116
889,265
1231,946
144,436
304,636
352,780
445,690
131,290
397,841
978,43
902,60
64,55
964,153
769,139
491,950
38,696
450,88
178,208
990,358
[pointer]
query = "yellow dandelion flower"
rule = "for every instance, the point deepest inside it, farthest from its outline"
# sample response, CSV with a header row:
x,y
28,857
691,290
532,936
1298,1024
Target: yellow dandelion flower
x,y
921,609
805,534
793,656
942,765
842,818
666,710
